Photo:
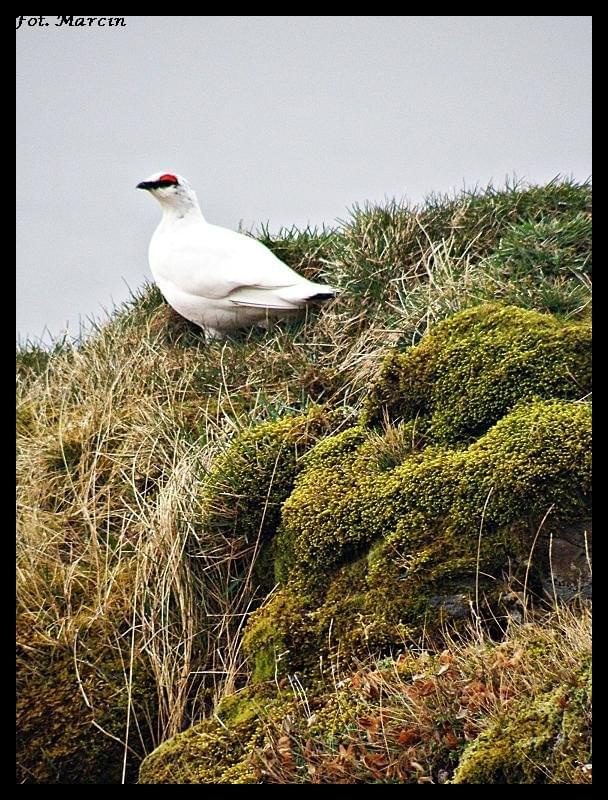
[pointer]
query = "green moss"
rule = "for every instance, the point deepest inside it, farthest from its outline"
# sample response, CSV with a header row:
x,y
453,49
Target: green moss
x,y
279,636
537,456
472,515
219,750
341,622
57,741
252,477
206,753
414,531
322,501
474,367
544,739
230,748
411,515
245,705
388,718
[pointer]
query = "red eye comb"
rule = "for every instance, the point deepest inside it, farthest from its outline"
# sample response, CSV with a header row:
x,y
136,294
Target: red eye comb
x,y
168,177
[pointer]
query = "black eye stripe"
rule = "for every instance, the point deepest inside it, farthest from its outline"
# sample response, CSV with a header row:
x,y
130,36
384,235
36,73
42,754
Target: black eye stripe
x,y
163,184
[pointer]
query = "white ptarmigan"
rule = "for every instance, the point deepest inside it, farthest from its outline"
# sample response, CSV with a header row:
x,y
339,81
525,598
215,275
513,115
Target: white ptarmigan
x,y
215,277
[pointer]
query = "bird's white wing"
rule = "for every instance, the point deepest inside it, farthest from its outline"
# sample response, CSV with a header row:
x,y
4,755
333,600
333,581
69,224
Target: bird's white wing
x,y
215,262
281,297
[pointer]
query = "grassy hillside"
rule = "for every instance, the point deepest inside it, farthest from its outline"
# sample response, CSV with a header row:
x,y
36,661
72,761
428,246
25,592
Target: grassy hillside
x,y
323,550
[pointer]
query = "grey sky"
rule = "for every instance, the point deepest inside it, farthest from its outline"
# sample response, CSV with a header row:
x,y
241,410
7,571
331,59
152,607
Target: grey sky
x,y
286,120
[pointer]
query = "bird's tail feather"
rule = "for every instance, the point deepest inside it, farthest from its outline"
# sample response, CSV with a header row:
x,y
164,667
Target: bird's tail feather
x,y
319,297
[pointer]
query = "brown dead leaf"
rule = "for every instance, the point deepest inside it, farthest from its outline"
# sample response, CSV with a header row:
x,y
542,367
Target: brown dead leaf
x,y
375,761
450,740
346,753
370,724
425,688
283,747
408,735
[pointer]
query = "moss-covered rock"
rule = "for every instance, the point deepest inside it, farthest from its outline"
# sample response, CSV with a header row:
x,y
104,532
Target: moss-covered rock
x,y
464,715
324,518
473,514
218,750
279,637
206,753
378,534
250,480
474,367
429,536
542,739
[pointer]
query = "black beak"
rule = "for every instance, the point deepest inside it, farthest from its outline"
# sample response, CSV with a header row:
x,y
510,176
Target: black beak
x,y
147,185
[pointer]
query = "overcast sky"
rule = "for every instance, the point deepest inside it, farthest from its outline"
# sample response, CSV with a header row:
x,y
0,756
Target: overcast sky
x,y
286,120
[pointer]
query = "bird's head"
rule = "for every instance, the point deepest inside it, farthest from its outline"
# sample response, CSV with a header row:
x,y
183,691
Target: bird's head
x,y
171,190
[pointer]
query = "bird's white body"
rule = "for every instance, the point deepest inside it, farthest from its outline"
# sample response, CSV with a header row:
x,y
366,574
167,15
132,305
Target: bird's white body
x,y
215,277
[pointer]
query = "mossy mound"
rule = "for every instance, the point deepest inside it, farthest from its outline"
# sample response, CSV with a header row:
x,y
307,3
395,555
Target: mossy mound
x,y
543,739
433,519
280,637
72,715
251,479
231,747
381,554
379,534
474,514
255,474
219,750
462,715
475,366
206,753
